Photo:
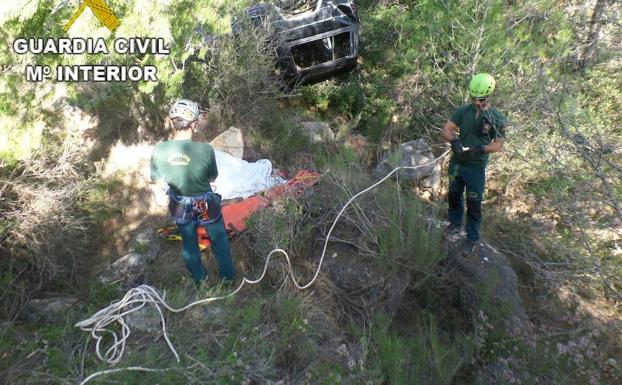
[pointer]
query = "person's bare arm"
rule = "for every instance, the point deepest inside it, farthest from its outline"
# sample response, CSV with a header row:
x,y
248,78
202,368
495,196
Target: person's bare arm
x,y
449,131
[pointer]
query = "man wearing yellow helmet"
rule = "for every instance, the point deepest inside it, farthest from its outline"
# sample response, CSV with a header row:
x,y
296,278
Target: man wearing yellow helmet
x,y
474,130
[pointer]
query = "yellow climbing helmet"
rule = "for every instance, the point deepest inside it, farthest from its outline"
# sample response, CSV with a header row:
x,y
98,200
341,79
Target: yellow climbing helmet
x,y
481,85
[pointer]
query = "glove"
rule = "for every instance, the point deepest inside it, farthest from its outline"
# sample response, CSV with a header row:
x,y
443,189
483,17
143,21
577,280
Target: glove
x,y
479,149
456,146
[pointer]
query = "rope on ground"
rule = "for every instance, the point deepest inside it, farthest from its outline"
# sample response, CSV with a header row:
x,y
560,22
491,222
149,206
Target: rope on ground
x,y
136,298
109,371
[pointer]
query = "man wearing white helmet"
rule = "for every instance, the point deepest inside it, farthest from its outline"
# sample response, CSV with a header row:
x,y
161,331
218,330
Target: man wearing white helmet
x,y
474,130
188,168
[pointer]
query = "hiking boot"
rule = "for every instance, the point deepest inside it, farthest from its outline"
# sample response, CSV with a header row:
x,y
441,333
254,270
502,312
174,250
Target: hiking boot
x,y
471,248
452,231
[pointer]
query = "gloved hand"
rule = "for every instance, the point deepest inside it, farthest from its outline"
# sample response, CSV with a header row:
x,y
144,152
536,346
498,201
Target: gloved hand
x,y
479,149
456,146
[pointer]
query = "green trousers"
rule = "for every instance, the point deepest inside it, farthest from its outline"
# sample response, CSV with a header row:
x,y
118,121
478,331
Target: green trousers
x,y
471,178
220,248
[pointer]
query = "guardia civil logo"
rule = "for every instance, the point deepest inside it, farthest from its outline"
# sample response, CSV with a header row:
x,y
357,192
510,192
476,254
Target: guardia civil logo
x,y
100,9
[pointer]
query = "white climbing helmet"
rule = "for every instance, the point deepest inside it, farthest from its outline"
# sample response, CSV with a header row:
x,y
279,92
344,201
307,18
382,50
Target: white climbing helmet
x,y
185,109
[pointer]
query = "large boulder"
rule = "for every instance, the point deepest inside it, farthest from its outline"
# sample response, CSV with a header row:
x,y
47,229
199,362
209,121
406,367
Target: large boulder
x,y
489,275
231,142
318,132
411,154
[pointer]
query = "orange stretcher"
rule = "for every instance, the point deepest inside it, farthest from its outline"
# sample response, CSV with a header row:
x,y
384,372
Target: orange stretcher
x,y
236,214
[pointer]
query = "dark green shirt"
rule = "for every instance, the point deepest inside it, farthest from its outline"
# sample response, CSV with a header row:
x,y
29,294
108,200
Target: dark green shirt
x,y
490,124
185,165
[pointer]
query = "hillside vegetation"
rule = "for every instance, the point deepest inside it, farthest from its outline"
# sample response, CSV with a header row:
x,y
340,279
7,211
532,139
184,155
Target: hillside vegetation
x,y
553,202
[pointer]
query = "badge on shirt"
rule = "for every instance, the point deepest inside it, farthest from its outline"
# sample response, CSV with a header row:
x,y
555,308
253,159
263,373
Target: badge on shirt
x,y
486,126
178,159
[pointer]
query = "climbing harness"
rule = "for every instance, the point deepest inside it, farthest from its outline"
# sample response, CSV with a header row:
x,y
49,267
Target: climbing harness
x,y
201,209
136,298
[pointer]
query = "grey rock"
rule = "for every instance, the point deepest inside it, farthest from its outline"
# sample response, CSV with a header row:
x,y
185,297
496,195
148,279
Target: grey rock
x,y
129,270
48,310
490,274
146,319
498,271
394,289
148,244
411,154
367,285
231,142
318,132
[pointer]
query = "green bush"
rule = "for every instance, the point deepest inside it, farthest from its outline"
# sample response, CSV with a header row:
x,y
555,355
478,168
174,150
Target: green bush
x,y
428,357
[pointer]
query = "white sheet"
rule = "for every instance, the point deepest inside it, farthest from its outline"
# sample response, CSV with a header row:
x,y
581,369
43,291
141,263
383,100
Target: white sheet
x,y
238,178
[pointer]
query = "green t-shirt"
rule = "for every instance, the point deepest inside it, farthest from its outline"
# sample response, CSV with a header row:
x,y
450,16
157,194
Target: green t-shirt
x,y
185,165
490,124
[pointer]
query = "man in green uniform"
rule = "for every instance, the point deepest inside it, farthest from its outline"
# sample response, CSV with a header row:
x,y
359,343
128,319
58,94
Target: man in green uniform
x,y
474,131
187,168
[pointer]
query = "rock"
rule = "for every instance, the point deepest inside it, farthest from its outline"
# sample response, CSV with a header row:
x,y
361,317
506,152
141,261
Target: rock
x,y
211,314
146,319
367,284
490,275
497,270
147,243
394,289
129,270
318,132
48,310
413,153
230,141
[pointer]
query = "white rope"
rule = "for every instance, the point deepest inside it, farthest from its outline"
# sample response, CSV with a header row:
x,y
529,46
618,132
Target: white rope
x,y
136,298
109,371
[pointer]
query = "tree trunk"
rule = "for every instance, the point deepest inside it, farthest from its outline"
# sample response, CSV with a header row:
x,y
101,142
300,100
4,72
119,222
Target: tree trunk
x,y
591,43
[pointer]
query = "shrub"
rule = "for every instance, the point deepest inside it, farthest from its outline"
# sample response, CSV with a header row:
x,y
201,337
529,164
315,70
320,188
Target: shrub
x,y
45,236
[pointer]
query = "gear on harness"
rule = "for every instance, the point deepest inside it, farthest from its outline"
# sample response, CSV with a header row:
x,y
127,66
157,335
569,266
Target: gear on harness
x,y
201,209
485,126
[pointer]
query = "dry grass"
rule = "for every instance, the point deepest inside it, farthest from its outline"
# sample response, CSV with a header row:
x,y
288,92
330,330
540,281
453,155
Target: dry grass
x,y
46,236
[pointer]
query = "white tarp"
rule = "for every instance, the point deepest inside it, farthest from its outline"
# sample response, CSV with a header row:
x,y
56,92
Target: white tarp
x,y
238,178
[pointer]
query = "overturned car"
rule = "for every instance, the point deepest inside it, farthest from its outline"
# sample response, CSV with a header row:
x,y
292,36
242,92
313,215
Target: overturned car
x,y
313,42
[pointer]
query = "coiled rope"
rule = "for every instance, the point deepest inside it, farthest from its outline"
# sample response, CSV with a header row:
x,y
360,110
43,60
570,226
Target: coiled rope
x,y
136,298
